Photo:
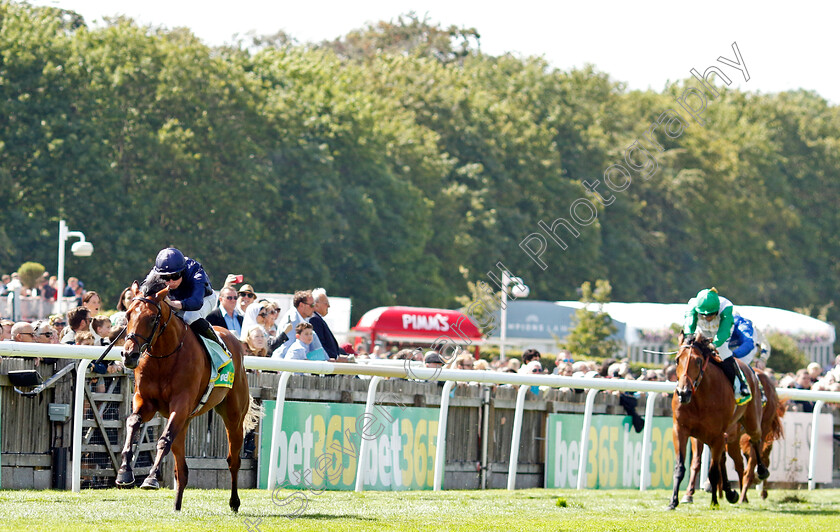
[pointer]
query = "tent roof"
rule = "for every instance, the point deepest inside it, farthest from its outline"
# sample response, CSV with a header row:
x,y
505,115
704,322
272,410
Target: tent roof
x,y
658,316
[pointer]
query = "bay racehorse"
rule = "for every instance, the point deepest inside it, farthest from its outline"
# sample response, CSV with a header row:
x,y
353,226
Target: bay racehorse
x,y
171,374
704,407
771,430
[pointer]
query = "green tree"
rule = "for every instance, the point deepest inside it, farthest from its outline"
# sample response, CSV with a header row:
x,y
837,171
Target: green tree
x,y
785,357
29,273
591,329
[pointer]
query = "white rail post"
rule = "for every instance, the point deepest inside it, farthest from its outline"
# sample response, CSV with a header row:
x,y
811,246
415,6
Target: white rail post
x,y
276,429
363,448
812,459
705,462
516,436
584,437
78,421
644,478
440,450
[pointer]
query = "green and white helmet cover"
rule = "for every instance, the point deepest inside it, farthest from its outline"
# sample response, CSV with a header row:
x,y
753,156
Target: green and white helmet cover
x,y
707,301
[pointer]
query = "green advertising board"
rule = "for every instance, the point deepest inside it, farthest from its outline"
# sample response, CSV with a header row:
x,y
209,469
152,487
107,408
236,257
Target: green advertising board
x,y
320,444
615,452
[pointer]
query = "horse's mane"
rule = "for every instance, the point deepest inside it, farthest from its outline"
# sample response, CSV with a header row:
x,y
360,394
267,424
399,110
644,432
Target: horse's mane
x,y
152,285
700,342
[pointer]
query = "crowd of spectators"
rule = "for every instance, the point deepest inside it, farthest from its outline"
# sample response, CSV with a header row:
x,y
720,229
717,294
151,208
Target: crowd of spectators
x,y
302,333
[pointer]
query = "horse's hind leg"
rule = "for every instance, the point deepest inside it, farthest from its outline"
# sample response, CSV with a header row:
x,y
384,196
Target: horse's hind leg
x,y
179,450
233,413
696,458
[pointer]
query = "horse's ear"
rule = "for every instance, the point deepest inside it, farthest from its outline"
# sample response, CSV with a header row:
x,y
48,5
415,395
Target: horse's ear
x,y
160,296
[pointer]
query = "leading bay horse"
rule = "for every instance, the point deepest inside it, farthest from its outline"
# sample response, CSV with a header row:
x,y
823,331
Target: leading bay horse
x,y
704,407
171,374
771,430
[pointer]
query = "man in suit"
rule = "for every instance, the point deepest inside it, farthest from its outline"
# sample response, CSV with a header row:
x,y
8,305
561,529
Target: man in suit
x,y
227,315
328,341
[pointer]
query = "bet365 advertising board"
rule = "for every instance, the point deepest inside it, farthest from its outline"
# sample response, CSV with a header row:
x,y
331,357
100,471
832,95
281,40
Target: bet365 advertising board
x,y
320,444
615,452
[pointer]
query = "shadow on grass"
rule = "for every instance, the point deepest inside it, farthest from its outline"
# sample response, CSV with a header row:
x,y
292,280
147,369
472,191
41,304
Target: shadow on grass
x,y
312,517
329,517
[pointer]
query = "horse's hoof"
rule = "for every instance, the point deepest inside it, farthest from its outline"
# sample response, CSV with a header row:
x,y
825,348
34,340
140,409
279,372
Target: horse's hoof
x,y
125,479
763,494
150,484
707,487
731,496
763,472
688,499
672,506
715,505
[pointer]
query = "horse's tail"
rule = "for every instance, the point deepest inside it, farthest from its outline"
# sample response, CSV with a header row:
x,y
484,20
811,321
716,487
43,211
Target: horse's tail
x,y
777,430
254,414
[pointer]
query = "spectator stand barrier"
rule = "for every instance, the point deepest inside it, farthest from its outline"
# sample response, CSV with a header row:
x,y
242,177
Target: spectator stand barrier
x,y
377,371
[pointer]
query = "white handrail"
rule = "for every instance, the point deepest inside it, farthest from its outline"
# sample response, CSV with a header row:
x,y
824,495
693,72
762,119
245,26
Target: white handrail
x,y
25,349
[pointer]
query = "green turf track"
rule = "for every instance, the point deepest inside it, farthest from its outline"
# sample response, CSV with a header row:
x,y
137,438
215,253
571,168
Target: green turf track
x,y
590,510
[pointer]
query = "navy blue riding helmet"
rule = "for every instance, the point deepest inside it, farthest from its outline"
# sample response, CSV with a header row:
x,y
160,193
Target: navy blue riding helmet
x,y
170,260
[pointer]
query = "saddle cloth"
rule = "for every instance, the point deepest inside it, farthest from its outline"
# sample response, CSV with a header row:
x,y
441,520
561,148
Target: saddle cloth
x,y
221,366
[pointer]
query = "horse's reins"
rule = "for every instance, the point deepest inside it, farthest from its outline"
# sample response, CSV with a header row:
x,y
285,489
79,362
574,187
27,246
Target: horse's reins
x,y
145,349
706,358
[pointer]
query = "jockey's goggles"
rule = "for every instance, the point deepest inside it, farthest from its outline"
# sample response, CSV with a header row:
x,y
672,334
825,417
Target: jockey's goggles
x,y
170,276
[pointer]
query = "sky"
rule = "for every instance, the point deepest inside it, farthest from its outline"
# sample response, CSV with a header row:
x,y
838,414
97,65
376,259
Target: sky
x,y
785,45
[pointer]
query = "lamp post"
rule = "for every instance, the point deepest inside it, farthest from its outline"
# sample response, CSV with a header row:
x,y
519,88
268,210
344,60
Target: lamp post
x,y
82,248
517,288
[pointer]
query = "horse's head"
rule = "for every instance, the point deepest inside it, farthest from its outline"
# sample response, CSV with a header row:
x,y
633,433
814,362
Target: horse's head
x,y
144,322
692,358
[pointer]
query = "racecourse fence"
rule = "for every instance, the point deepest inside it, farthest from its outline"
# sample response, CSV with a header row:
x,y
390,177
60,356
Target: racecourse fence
x,y
475,456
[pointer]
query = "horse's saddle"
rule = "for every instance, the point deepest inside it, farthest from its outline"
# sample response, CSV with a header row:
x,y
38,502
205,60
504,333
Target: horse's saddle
x,y
221,366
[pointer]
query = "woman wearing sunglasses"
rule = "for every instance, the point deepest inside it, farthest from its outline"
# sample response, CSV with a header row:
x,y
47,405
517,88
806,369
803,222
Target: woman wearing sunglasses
x,y
190,293
263,314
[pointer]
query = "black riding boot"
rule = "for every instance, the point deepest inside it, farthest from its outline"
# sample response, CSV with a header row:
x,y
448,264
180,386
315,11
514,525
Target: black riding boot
x,y
203,328
733,372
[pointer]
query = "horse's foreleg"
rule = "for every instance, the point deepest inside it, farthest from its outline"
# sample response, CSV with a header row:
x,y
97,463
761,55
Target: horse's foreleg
x,y
696,459
715,476
179,450
140,415
177,420
680,439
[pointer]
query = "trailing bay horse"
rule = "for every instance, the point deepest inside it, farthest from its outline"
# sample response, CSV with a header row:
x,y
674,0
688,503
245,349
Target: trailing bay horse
x,y
704,408
171,374
771,430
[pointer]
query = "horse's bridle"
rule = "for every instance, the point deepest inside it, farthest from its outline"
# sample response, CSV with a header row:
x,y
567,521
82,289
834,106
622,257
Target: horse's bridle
x,y
145,349
706,358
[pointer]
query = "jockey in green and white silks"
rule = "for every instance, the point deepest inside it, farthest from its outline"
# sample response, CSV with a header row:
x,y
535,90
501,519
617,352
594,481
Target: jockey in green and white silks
x,y
712,315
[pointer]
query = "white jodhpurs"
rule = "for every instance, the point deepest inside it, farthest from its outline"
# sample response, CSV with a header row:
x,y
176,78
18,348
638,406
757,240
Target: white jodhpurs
x,y
206,307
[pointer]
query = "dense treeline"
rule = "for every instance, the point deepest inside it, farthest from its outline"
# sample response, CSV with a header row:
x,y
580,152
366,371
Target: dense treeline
x,y
396,164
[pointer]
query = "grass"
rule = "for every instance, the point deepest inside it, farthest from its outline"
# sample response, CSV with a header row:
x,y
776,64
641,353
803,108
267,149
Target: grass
x,y
534,509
